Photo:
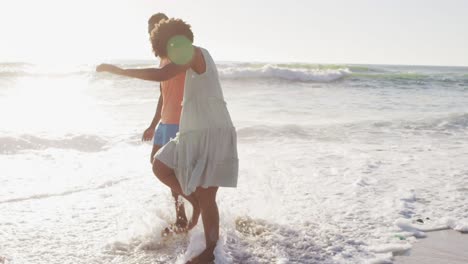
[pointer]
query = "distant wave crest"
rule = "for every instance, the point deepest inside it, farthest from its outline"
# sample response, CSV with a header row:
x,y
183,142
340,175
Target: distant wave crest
x,y
84,143
21,73
293,72
290,74
451,123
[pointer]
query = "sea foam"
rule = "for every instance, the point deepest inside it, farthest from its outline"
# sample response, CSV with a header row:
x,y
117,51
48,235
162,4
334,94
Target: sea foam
x,y
290,74
84,143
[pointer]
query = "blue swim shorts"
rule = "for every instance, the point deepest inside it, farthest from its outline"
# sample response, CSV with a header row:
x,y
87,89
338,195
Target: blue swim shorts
x,y
164,133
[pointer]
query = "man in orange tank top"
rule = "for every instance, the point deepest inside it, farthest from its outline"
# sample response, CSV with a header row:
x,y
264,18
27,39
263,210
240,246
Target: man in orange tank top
x,y
165,123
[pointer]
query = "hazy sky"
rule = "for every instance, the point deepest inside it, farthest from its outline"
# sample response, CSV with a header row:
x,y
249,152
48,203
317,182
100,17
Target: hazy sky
x,y
430,32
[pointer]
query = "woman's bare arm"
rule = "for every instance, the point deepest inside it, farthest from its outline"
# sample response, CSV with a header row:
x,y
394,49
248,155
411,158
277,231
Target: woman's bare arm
x,y
165,73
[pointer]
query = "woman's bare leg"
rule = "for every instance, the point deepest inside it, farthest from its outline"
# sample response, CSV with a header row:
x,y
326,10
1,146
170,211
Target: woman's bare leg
x,y
181,218
167,176
210,217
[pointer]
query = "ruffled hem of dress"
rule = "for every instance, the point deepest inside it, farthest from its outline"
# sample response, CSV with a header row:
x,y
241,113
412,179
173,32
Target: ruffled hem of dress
x,y
225,175
206,157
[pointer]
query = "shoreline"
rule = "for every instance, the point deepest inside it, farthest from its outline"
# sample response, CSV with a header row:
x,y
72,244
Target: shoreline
x,y
443,246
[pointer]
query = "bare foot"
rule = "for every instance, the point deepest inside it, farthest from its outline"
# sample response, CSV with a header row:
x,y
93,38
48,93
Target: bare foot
x,y
206,257
181,221
173,230
181,226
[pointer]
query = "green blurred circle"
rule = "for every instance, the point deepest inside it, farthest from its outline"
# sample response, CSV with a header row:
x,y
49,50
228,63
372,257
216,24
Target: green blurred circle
x,y
180,50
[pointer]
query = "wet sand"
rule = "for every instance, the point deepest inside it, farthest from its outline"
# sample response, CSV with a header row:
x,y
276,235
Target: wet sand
x,y
448,247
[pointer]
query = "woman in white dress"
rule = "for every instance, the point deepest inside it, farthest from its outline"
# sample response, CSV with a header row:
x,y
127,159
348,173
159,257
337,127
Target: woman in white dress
x,y
203,156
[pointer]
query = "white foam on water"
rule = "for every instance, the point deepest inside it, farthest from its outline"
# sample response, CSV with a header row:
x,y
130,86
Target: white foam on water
x,y
275,72
86,143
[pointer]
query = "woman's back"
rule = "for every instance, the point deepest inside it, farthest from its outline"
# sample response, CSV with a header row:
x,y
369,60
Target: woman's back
x,y
203,105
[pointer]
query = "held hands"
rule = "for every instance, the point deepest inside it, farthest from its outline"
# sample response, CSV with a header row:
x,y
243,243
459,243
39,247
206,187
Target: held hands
x,y
108,68
148,134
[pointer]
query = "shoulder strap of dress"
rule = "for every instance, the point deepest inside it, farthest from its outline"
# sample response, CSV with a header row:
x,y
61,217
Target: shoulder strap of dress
x,y
208,59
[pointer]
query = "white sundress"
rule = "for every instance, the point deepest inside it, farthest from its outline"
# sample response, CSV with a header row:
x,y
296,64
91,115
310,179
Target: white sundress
x,y
204,152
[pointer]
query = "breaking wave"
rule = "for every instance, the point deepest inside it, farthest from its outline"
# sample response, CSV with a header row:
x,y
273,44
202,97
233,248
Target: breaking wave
x,y
84,143
284,73
294,72
451,123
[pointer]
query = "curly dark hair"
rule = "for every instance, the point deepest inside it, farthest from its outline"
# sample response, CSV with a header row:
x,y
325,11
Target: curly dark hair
x,y
165,30
154,20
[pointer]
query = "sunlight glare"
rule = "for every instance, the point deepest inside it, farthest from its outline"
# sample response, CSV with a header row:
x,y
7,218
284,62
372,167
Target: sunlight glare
x,y
58,104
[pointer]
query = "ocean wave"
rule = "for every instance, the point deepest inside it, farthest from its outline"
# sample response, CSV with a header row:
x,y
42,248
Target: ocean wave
x,y
17,70
20,73
264,131
84,143
294,72
454,122
104,185
393,76
451,123
289,74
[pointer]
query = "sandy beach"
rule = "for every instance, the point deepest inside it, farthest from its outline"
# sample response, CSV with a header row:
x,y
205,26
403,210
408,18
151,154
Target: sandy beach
x,y
447,246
